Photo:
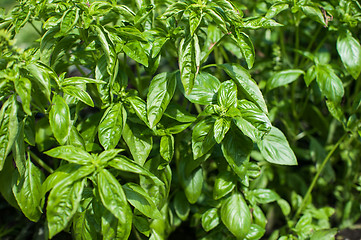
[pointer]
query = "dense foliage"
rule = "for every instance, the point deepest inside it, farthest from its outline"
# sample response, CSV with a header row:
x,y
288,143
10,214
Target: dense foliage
x,y
147,119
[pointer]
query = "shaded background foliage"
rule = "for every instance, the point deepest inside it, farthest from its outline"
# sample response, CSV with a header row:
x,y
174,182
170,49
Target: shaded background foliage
x,y
305,59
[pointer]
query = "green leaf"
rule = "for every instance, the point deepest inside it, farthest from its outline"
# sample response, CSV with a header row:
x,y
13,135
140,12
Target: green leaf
x,y
108,155
349,50
283,78
63,202
66,174
246,84
188,62
255,232
336,111
23,88
258,216
135,51
275,148
141,224
8,128
140,199
160,93
124,164
69,19
111,126
203,137
310,75
114,199
181,206
324,234
59,119
253,122
285,206
221,127
246,46
84,224
18,150
130,33
139,144
167,147
28,193
314,13
236,215
195,18
236,149
42,78
260,22
71,154
177,112
8,182
304,225
275,9
210,219
264,196
140,108
79,93
329,83
80,80
227,95
193,185
204,90
224,184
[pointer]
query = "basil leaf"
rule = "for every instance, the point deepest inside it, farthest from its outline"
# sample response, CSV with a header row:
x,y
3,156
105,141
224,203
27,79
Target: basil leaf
x,y
181,206
23,88
329,83
210,219
283,78
204,89
224,184
79,93
253,122
135,51
111,126
221,127
236,215
237,148
203,137
227,95
349,50
160,93
193,184
188,63
247,85
8,128
28,193
114,199
139,144
59,119
63,202
140,199
71,154
275,148
124,164
167,147
255,232
84,224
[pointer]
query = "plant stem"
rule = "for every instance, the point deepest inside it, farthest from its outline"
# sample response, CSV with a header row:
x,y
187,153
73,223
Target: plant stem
x,y
308,194
37,30
41,162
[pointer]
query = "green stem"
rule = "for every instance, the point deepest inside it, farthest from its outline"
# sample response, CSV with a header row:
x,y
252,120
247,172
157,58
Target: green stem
x,y
311,44
37,30
308,194
297,45
40,162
